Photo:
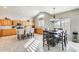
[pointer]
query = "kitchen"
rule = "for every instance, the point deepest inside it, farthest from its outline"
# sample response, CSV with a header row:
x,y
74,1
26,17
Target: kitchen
x,y
22,28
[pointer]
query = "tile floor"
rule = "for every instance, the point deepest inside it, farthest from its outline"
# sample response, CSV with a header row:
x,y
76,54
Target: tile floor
x,y
11,44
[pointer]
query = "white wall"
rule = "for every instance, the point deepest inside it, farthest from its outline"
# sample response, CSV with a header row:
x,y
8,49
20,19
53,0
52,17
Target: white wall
x,y
74,16
47,23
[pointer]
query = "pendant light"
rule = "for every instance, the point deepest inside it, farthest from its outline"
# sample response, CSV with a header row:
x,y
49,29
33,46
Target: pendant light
x,y
54,13
53,20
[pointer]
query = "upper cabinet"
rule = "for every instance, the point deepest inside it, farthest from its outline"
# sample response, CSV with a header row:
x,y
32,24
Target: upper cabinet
x,y
0,22
14,22
5,22
33,22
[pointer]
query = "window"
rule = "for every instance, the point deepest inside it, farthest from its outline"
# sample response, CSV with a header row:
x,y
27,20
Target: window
x,y
41,23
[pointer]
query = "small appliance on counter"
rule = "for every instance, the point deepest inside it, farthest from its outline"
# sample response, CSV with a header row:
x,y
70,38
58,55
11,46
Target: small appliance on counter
x,y
75,37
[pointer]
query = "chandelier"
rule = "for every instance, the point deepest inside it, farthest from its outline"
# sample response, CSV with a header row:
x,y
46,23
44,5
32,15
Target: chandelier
x,y
53,20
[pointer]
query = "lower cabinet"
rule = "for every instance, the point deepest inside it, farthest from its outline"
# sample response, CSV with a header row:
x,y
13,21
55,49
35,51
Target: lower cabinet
x,y
0,33
39,31
7,32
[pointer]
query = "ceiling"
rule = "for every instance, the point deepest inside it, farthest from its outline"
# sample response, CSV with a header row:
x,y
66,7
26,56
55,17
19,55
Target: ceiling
x,y
23,12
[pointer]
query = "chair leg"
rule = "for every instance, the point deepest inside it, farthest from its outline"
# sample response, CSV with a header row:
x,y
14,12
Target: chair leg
x,y
17,36
62,45
65,41
48,47
48,44
43,42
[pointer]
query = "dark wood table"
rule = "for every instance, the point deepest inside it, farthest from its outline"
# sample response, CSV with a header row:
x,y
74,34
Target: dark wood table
x,y
61,37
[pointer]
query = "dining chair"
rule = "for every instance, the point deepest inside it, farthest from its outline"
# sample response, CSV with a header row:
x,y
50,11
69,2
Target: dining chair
x,y
27,32
65,41
46,39
20,34
32,32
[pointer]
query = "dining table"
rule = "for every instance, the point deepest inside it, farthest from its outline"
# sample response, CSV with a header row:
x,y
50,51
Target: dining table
x,y
56,37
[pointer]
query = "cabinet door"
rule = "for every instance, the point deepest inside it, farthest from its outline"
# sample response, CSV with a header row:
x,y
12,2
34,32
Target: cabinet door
x,y
5,32
9,22
6,22
0,33
39,31
33,22
0,22
13,31
15,22
8,32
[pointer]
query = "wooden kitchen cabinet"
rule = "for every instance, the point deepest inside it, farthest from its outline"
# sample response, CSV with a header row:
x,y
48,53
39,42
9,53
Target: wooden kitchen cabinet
x,y
5,22
5,31
0,23
14,22
13,31
8,32
39,31
33,22
0,32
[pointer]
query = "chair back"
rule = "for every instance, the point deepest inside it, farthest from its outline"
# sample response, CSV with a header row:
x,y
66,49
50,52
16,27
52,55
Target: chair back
x,y
20,31
32,30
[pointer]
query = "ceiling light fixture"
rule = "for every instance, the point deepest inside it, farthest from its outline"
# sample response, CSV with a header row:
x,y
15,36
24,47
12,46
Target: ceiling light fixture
x,y
54,13
53,20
